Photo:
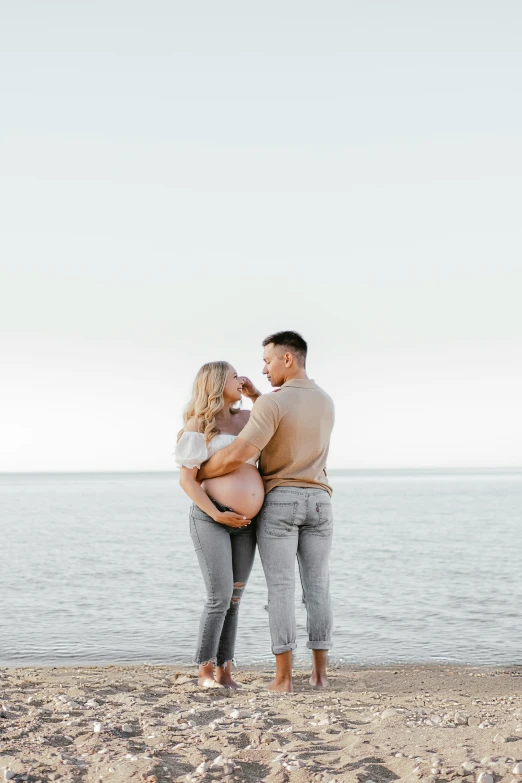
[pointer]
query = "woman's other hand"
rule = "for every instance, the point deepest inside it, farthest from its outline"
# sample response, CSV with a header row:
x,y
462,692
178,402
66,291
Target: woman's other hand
x,y
231,519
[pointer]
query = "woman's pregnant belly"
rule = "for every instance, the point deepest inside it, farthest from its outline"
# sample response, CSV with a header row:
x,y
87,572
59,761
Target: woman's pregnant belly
x,y
241,490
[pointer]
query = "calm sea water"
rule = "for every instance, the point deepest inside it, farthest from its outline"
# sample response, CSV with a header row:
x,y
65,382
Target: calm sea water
x,y
426,567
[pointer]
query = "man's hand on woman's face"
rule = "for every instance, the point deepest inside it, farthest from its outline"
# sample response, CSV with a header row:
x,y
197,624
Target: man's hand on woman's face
x,y
249,390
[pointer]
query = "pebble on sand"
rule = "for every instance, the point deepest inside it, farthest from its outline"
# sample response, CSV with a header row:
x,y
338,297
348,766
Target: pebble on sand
x,y
460,719
389,713
235,714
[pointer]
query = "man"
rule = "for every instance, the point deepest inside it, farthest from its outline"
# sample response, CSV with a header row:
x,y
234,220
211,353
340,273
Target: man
x,y
291,427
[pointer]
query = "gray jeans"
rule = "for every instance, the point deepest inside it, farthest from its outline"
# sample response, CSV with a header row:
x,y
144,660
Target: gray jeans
x,y
225,555
297,521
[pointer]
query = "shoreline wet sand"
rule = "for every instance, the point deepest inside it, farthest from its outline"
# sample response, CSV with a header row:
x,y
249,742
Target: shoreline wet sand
x,y
153,723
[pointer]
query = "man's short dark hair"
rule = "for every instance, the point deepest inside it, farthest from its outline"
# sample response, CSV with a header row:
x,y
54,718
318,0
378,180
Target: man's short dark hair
x,y
292,341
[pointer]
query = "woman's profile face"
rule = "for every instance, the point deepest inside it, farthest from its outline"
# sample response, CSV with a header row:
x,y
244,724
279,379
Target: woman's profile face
x,y
233,386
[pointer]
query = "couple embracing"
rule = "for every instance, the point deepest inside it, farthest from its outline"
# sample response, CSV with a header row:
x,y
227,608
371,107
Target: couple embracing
x,y
260,477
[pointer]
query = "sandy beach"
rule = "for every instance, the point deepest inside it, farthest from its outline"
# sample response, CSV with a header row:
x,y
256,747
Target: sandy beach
x,y
153,723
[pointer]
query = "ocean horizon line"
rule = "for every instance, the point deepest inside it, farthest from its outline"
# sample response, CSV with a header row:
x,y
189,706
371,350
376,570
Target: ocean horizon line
x,y
332,471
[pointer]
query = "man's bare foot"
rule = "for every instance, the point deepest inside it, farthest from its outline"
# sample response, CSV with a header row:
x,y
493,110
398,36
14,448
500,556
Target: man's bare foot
x,y
318,677
319,680
281,686
282,683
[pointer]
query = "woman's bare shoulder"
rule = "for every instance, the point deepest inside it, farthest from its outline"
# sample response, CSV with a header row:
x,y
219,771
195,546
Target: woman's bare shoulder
x,y
244,416
191,425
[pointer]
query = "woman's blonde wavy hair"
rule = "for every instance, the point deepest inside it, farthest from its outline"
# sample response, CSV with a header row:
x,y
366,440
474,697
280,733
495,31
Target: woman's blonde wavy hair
x,y
208,399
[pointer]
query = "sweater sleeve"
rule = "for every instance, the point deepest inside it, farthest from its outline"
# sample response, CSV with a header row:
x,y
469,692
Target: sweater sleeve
x,y
263,422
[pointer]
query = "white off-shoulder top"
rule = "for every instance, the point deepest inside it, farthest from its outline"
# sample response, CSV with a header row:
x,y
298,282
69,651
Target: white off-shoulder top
x,y
192,449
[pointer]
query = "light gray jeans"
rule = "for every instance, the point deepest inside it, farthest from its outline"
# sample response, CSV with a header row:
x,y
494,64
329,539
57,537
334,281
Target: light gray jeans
x,y
226,555
297,521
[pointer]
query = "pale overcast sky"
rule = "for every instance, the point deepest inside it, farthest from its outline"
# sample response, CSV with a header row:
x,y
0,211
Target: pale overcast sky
x,y
178,180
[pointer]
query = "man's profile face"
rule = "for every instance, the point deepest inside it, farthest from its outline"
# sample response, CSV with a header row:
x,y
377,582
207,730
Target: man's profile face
x,y
276,360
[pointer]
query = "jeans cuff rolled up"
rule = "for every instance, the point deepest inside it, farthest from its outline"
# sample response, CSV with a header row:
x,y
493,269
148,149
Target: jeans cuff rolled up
x,y
284,648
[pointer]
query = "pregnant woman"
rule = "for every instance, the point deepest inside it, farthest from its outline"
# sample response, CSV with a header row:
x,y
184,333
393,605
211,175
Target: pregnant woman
x,y
220,517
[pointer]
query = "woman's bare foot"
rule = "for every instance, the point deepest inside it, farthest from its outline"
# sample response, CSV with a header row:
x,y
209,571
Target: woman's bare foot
x,y
230,683
208,682
206,676
281,686
224,677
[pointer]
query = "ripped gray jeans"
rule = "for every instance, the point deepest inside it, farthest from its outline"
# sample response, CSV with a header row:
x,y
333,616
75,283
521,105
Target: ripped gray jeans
x,y
226,555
